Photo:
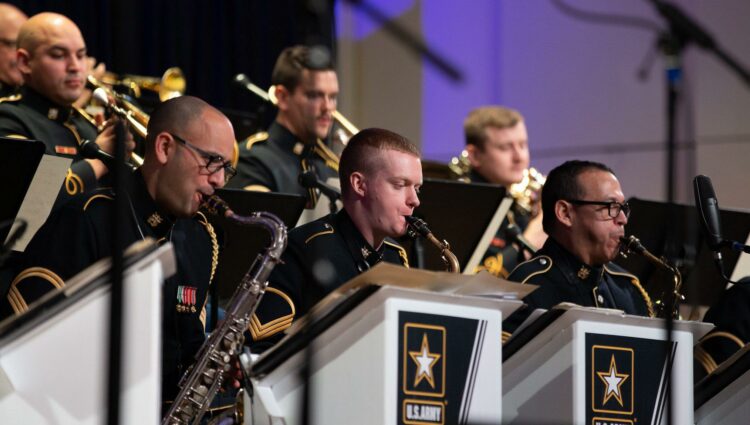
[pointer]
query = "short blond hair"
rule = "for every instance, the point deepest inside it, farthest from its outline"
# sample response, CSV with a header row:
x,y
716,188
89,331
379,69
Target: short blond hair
x,y
488,116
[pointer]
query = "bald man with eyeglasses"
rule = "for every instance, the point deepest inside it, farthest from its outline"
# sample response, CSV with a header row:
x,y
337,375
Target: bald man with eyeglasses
x,y
585,214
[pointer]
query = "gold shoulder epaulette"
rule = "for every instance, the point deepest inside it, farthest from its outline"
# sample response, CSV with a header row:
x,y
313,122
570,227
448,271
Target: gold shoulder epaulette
x,y
11,98
255,138
96,196
327,229
535,266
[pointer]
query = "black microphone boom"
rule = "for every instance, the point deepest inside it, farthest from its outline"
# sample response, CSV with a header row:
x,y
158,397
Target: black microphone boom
x,y
89,149
708,211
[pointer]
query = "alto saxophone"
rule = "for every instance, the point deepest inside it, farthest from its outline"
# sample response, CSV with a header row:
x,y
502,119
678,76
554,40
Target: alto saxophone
x,y
200,384
631,244
417,226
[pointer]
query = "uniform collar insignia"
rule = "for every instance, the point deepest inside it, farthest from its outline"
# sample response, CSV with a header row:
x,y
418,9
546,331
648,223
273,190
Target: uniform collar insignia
x,y
155,219
583,273
53,113
366,252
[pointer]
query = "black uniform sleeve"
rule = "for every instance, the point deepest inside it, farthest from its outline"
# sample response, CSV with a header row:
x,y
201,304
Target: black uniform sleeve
x,y
252,174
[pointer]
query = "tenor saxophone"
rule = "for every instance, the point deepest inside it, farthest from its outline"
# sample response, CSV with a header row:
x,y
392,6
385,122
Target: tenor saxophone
x,y
199,385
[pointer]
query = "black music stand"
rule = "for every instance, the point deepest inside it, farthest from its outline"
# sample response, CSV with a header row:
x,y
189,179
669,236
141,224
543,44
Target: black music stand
x,y
19,160
673,231
459,213
241,244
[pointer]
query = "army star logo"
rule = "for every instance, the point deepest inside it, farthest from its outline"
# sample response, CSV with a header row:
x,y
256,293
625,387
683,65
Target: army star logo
x,y
424,360
613,381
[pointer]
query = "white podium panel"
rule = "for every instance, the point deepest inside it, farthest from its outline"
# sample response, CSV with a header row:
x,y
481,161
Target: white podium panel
x,y
726,392
53,367
398,356
598,367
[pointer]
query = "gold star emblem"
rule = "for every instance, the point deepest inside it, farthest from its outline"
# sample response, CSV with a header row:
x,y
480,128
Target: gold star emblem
x,y
583,273
424,360
154,220
613,381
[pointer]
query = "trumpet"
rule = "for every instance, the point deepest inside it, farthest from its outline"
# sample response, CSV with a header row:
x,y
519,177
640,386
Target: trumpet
x,y
170,85
348,128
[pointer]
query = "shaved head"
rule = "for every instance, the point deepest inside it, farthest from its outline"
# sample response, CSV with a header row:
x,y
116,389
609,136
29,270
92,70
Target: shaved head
x,y
42,27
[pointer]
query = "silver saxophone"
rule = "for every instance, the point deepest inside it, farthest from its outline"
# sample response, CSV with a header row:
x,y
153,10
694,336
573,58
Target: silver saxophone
x,y
200,384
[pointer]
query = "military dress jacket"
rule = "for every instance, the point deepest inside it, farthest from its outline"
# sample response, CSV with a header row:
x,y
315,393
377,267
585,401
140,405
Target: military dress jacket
x,y
502,256
80,232
564,278
273,162
30,115
7,90
320,256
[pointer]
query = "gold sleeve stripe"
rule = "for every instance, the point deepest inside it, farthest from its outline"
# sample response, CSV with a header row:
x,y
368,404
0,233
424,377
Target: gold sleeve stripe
x,y
637,283
16,300
260,330
86,205
315,235
73,183
401,253
723,334
549,266
17,136
257,188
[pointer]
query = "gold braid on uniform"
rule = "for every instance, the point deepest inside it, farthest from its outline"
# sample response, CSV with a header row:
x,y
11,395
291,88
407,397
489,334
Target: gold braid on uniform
x,y
214,245
73,183
634,280
704,357
327,155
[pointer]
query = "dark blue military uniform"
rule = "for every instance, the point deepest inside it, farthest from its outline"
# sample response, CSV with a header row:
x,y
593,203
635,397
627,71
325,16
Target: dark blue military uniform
x,y
564,278
320,257
273,162
6,90
30,115
502,256
79,234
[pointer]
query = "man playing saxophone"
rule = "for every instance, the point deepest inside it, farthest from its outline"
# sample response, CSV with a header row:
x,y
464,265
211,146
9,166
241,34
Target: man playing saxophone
x,y
52,59
585,213
381,175
188,152
498,152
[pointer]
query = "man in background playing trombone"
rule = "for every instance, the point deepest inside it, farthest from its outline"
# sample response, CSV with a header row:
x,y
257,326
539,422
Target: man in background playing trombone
x,y
52,59
498,152
306,89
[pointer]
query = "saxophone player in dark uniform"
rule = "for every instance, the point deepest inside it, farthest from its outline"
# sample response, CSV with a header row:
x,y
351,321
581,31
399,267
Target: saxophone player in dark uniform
x,y
498,153
585,213
11,20
52,59
381,174
188,152
306,94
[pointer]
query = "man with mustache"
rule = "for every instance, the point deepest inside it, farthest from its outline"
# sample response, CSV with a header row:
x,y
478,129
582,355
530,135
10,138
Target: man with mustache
x,y
11,20
585,213
52,60
306,88
188,153
381,174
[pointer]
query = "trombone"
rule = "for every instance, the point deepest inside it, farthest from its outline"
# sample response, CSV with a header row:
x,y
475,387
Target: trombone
x,y
171,84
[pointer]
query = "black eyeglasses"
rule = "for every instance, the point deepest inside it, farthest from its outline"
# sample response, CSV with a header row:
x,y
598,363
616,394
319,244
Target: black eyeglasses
x,y
214,163
613,208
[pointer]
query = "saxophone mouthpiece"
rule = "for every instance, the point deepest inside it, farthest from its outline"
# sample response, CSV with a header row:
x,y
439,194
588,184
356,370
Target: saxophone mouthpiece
x,y
417,226
215,205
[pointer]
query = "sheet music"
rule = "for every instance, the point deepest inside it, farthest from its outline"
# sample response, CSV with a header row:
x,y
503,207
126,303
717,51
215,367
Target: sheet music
x,y
41,196
489,233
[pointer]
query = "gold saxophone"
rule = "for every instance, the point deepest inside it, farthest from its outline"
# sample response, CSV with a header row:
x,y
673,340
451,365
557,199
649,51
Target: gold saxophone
x,y
417,226
200,384
631,244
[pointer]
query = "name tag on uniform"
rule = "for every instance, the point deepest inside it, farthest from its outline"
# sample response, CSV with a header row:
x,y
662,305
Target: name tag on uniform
x,y
66,150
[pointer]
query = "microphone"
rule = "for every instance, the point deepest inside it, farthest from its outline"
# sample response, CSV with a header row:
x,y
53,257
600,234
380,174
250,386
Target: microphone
x,y
708,210
309,180
89,149
244,82
514,234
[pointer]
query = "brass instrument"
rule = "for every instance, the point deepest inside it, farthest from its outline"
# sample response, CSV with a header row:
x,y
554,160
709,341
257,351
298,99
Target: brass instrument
x,y
170,85
527,192
631,244
201,383
417,226
270,96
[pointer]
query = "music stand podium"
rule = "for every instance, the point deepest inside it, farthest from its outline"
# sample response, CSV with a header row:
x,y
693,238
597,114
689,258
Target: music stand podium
x,y
597,366
722,397
53,358
388,354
